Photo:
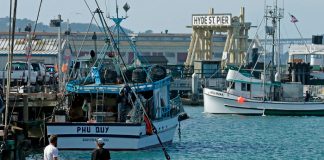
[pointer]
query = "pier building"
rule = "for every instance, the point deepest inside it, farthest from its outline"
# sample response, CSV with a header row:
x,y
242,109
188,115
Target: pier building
x,y
173,46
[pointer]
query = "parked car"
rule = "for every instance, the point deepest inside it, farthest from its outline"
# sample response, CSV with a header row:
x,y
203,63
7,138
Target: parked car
x,y
40,68
19,72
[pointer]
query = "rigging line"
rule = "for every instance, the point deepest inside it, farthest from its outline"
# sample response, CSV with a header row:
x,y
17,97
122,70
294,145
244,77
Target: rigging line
x,y
8,67
93,15
94,63
300,35
114,43
13,108
115,46
136,52
15,100
82,43
256,35
110,33
39,8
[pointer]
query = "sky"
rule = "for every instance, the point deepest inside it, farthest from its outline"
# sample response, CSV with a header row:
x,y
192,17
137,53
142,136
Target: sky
x,y
175,15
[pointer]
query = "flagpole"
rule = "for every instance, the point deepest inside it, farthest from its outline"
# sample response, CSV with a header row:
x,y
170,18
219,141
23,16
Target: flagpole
x,y
300,34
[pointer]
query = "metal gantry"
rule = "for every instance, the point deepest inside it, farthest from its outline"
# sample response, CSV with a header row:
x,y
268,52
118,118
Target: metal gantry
x,y
204,26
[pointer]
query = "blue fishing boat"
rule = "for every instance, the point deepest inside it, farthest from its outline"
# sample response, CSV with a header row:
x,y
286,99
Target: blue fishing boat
x,y
128,105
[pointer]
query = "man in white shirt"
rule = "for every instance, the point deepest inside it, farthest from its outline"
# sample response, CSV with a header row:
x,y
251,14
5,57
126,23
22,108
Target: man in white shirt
x,y
50,151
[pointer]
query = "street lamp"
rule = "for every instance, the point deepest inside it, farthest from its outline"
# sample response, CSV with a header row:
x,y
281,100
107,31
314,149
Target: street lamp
x,y
57,23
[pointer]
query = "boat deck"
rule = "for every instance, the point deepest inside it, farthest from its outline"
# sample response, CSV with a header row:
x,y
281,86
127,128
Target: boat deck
x,y
77,87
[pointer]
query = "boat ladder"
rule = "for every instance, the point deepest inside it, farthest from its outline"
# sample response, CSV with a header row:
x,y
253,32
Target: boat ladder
x,y
100,98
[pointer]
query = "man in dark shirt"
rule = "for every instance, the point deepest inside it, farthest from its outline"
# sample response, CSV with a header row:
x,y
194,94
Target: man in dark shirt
x,y
100,153
307,97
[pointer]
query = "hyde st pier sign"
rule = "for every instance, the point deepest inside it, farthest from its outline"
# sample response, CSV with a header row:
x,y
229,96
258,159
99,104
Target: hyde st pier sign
x,y
211,20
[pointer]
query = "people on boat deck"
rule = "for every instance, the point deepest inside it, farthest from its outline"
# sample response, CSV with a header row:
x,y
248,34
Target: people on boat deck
x,y
50,151
100,153
307,97
124,101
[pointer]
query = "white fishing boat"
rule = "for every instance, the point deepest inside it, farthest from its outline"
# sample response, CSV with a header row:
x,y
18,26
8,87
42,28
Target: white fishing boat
x,y
246,95
262,92
129,107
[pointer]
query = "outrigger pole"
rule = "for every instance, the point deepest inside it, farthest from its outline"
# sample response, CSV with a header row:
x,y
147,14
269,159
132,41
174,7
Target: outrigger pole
x,y
103,21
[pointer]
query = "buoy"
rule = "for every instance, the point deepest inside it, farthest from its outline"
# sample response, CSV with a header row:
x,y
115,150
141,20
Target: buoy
x,y
240,100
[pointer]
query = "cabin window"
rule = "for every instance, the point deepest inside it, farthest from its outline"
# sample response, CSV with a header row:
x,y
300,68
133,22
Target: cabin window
x,y
232,85
243,86
248,87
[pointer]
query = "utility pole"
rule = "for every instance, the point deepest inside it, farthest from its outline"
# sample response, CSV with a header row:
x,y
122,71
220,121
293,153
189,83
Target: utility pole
x,y
28,52
57,23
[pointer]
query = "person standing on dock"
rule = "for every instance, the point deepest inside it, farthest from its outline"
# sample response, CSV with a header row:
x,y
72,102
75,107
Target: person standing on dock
x,y
50,151
100,153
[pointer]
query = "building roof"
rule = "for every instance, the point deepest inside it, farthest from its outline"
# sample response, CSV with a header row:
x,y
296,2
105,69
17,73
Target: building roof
x,y
43,46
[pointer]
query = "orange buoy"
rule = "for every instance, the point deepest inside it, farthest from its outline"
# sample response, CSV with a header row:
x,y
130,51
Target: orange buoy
x,y
240,99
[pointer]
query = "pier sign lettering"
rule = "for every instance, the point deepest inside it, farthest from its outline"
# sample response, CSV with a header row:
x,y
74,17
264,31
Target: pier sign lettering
x,y
92,129
212,20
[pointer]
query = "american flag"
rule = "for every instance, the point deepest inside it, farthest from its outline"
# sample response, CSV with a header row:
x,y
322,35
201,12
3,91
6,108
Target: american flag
x,y
293,19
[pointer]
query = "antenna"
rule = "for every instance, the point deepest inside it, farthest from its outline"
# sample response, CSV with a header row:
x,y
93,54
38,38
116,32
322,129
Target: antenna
x,y
106,8
117,8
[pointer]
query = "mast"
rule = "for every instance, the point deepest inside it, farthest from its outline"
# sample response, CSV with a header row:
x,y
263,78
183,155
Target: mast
x,y
275,14
59,56
280,16
10,56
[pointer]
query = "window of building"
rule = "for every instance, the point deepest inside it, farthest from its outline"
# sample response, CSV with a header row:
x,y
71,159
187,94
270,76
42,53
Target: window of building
x,y
169,54
157,53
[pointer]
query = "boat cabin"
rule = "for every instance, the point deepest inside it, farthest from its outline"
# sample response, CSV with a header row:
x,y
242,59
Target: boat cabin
x,y
243,83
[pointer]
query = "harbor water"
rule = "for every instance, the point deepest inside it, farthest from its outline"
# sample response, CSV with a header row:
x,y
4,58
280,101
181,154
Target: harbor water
x,y
208,136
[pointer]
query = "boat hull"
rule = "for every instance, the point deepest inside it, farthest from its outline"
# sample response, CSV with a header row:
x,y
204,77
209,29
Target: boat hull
x,y
117,136
223,103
